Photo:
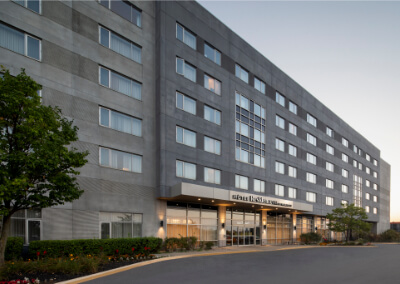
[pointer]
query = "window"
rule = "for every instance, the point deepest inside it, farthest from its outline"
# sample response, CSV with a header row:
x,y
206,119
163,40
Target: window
x,y
185,103
259,136
279,167
120,160
125,10
329,201
311,159
357,190
292,172
259,85
259,185
345,173
330,149
292,192
120,84
375,186
329,183
367,183
212,54
345,203
311,120
311,139
375,210
120,225
367,170
242,101
20,42
185,69
242,155
241,182
329,132
212,145
120,45
185,136
292,129
279,190
212,115
368,157
375,162
280,99
242,128
345,188
212,175
26,224
259,111
121,122
355,149
280,145
280,122
375,175
292,150
345,142
185,170
292,107
355,163
375,198
185,36
345,158
34,5
311,197
311,178
367,209
359,152
360,166
329,167
241,73
367,196
259,161
212,84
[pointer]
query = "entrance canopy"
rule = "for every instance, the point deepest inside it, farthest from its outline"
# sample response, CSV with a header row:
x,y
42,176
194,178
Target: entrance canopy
x,y
193,193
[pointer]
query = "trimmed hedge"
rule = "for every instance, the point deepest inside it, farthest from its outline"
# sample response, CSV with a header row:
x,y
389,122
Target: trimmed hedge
x,y
310,238
14,248
94,247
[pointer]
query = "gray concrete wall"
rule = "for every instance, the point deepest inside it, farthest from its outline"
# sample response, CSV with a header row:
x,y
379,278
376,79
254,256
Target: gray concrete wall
x,y
384,198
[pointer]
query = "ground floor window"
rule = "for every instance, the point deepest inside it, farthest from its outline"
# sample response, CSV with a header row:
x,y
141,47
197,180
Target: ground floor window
x,y
279,228
192,220
242,227
27,225
120,225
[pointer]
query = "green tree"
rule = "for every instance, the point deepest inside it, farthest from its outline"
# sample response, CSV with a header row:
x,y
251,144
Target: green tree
x,y
37,163
349,219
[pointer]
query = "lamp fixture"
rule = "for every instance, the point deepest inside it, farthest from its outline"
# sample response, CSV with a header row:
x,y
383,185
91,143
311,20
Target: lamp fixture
x,y
223,225
265,227
162,223
294,228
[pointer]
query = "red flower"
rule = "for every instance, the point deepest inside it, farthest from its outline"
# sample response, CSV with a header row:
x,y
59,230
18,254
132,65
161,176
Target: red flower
x,y
38,253
116,251
44,253
133,249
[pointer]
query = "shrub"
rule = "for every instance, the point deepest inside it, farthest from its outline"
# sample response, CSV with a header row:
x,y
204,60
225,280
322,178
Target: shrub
x,y
14,248
208,245
94,246
310,238
183,243
389,236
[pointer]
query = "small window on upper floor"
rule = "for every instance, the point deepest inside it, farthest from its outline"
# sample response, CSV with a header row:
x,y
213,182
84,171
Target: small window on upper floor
x,y
311,178
375,174
259,185
120,83
311,197
292,150
355,148
185,69
211,114
185,103
330,167
292,107
20,42
312,159
368,157
120,122
330,149
34,5
345,158
375,162
345,173
292,129
375,186
124,9
212,145
185,136
279,145
280,122
212,53
329,132
212,84
311,139
311,120
345,188
259,85
241,182
241,73
185,36
280,99
345,142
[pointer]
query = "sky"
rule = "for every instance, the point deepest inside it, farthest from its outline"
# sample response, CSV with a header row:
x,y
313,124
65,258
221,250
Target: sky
x,y
346,54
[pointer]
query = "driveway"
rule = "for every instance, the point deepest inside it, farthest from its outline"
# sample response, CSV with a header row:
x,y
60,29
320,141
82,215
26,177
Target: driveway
x,y
380,264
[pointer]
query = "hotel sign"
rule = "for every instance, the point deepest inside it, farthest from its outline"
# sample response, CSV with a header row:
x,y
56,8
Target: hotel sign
x,y
262,200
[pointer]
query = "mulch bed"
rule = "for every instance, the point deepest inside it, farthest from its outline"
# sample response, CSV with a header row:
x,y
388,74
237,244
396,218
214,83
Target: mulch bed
x,y
55,278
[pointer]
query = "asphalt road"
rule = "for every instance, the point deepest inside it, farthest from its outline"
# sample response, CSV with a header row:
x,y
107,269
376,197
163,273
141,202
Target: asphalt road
x,y
378,265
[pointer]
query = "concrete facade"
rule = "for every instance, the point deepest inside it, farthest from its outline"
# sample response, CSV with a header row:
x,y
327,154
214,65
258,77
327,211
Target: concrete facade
x,y
69,73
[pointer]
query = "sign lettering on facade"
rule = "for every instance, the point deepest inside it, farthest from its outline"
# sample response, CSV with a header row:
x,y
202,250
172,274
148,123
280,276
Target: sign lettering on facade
x,y
260,200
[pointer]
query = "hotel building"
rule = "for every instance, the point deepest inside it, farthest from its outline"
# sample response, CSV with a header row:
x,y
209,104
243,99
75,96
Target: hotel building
x,y
190,130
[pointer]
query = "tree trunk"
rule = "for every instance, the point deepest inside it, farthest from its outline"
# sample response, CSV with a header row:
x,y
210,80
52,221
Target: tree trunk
x,y
5,230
